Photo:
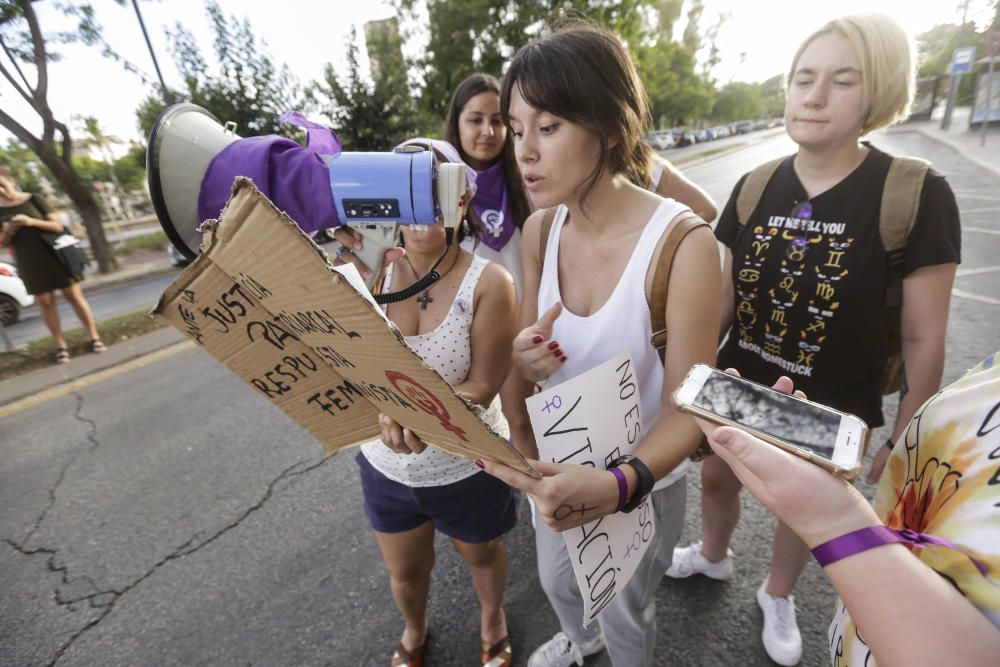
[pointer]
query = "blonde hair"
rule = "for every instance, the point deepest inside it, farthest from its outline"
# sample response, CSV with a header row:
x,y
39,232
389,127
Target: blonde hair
x,y
887,60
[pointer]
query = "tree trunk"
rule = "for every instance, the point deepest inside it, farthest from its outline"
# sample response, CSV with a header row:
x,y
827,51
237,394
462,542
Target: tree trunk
x,y
85,203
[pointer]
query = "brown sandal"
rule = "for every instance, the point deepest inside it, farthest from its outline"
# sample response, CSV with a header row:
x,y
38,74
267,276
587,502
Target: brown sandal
x,y
498,655
404,658
62,355
97,345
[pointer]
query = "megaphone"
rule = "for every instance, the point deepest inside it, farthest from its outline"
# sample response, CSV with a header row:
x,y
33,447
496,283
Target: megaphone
x,y
193,159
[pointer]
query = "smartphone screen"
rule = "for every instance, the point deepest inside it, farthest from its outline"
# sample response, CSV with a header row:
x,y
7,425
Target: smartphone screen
x,y
785,417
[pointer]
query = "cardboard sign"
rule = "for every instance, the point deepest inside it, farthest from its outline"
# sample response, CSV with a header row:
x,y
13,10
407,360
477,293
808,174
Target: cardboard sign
x,y
263,300
592,420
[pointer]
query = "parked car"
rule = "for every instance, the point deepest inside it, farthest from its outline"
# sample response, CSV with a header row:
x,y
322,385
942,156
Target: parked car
x,y
13,295
686,139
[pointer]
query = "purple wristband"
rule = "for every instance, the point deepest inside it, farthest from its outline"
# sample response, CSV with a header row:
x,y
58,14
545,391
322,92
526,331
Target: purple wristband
x,y
875,536
622,488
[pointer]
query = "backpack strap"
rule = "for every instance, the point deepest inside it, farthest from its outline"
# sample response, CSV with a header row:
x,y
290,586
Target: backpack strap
x,y
686,223
900,201
753,189
543,233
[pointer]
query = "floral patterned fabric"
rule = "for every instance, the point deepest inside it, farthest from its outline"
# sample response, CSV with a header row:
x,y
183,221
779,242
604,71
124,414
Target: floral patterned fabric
x,y
943,479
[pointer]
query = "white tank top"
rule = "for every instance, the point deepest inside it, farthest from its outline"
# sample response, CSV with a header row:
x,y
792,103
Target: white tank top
x,y
622,322
448,350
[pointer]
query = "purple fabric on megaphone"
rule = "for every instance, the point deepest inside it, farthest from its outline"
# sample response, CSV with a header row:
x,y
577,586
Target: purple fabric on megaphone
x,y
296,179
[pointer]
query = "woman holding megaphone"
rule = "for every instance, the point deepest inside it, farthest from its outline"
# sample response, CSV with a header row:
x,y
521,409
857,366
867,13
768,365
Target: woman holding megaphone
x,y
462,326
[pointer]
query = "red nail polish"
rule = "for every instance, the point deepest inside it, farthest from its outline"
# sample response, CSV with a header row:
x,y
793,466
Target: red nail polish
x,y
553,345
563,359
557,352
537,339
480,463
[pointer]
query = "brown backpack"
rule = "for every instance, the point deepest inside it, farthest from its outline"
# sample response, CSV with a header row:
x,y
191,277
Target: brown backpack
x,y
898,213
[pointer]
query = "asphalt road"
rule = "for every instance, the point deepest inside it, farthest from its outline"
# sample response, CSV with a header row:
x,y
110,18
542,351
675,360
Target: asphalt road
x,y
169,516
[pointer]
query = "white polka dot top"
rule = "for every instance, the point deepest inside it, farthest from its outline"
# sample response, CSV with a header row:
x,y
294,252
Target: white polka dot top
x,y
448,350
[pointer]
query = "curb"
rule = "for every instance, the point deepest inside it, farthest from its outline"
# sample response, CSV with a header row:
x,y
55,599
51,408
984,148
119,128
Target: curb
x,y
49,382
945,140
102,284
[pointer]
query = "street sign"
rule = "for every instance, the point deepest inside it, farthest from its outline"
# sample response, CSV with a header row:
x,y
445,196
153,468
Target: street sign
x,y
961,60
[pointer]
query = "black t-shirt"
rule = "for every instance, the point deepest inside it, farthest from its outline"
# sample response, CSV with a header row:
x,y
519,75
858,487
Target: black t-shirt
x,y
810,293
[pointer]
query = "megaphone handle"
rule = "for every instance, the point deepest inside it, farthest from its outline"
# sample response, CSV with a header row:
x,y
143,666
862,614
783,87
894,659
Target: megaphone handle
x,y
377,238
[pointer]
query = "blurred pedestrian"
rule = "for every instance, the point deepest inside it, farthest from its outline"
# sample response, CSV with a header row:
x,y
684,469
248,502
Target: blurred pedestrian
x,y
29,228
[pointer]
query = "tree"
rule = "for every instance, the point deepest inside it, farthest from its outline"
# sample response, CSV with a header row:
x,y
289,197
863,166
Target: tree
x,y
102,142
246,87
468,36
677,95
370,116
773,96
25,47
738,101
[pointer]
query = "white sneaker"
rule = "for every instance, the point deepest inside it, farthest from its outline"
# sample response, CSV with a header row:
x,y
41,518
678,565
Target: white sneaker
x,y
781,635
561,652
689,560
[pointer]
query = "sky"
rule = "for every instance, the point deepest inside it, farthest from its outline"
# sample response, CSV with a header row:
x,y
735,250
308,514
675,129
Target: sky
x,y
757,41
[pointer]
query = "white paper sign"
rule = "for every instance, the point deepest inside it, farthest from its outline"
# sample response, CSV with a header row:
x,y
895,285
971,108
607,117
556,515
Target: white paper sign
x,y
593,419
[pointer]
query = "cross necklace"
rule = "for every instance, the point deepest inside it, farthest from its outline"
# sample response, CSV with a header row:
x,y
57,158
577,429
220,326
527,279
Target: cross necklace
x,y
425,299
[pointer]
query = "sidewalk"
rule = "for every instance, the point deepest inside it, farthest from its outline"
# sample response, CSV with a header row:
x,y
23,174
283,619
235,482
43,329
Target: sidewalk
x,y
960,137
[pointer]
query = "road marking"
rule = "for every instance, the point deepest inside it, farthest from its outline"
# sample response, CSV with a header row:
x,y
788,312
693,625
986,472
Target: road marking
x,y
981,230
975,195
69,387
975,272
990,209
975,297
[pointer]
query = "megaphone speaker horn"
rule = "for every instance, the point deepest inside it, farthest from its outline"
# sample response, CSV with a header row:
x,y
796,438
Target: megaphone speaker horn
x,y
184,141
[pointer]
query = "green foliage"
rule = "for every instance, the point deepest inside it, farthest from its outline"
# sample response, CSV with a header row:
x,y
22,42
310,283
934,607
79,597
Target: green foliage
x,y
131,169
370,116
152,242
468,36
935,48
773,96
677,96
246,87
738,101
23,163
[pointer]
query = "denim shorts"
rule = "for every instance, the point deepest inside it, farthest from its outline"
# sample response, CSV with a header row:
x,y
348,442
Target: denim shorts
x,y
475,510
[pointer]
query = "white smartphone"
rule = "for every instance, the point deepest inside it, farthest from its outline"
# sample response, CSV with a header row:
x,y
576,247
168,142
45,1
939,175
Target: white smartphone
x,y
822,435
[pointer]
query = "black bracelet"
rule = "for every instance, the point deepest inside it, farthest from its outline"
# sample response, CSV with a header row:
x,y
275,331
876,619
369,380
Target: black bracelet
x,y
645,482
890,444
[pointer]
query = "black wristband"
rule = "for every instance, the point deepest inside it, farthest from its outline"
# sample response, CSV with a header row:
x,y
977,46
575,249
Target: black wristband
x,y
645,480
890,444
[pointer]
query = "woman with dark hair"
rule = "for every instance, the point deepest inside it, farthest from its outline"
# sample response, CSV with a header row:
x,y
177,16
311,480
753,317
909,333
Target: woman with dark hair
x,y
587,289
25,222
475,128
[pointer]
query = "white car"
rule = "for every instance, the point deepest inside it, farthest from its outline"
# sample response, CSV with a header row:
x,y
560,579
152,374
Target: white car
x,y
13,295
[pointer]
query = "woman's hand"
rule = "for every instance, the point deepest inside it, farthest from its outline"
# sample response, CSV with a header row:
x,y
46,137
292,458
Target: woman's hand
x,y
812,502
535,355
21,220
398,439
568,495
351,241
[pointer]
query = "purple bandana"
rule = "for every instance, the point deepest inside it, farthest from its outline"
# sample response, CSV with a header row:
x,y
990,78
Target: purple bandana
x,y
491,206
296,179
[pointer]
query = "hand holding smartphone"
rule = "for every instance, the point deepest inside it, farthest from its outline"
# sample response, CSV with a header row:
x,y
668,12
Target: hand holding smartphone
x,y
821,435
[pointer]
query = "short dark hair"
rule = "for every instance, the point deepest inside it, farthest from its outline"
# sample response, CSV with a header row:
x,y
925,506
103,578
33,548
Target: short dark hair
x,y
470,87
582,73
